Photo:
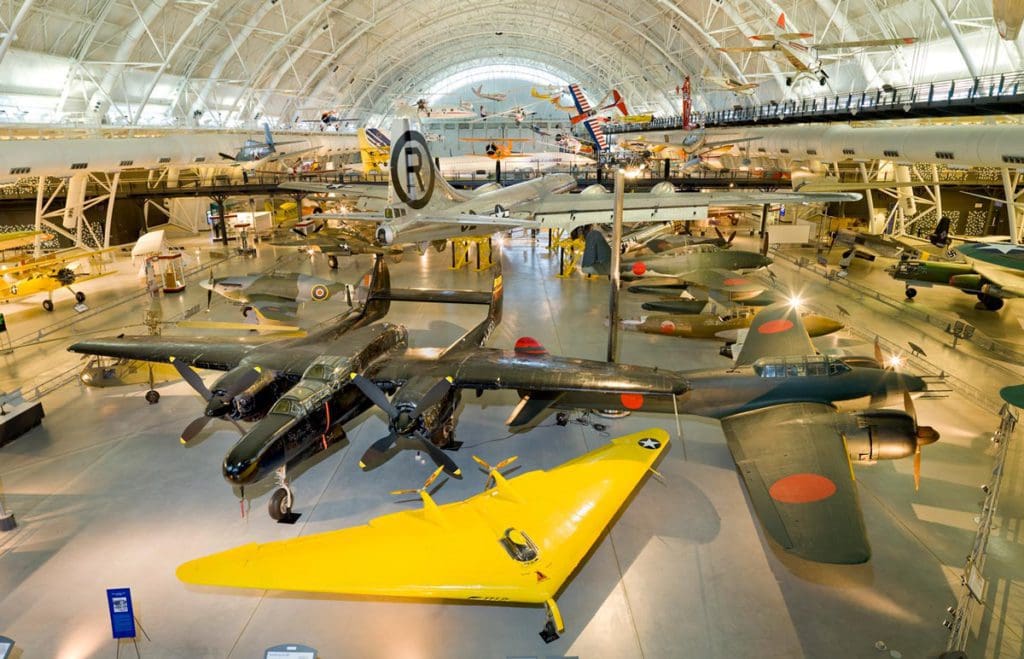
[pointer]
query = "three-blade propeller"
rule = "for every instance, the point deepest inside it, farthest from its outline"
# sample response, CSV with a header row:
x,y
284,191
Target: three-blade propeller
x,y
923,435
216,405
408,430
495,469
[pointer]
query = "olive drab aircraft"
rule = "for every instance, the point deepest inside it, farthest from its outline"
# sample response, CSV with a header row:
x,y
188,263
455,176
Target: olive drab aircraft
x,y
425,208
720,324
995,274
519,541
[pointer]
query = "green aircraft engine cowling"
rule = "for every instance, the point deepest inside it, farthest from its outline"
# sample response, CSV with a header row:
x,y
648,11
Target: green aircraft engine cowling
x,y
970,283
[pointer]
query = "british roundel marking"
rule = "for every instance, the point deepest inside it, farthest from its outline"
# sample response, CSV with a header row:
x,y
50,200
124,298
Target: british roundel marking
x,y
632,401
320,292
775,326
802,488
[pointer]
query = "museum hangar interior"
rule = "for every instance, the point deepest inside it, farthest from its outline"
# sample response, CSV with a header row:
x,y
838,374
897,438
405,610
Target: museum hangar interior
x,y
511,329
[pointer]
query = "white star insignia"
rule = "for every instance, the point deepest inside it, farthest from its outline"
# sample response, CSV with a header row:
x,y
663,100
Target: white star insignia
x,y
1005,248
649,443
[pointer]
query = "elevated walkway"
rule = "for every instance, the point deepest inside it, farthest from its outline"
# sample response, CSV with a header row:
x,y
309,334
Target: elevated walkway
x,y
990,95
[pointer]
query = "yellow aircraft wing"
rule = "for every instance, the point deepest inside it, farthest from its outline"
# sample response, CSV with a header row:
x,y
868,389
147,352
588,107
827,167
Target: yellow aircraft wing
x,y
516,542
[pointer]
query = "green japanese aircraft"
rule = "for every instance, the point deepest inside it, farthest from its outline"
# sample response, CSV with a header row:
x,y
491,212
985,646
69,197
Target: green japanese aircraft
x,y
994,275
722,324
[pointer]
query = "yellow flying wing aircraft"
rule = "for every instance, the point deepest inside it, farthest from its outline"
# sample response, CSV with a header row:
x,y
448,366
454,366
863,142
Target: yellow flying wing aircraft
x,y
517,542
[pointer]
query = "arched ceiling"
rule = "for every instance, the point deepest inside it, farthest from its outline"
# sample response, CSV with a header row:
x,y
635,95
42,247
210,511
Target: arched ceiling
x,y
230,61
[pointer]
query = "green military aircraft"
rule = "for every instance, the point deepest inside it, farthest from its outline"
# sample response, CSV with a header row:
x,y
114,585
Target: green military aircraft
x,y
718,325
993,276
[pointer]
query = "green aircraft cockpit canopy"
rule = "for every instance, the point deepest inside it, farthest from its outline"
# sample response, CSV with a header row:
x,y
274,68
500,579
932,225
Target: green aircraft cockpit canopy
x,y
328,368
792,367
302,398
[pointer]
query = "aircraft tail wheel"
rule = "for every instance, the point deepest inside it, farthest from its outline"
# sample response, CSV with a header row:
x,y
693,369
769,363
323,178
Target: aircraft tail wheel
x,y
280,505
911,293
332,261
152,396
79,296
48,305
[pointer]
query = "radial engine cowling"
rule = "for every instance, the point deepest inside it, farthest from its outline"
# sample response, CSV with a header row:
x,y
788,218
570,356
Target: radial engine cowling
x,y
878,434
386,235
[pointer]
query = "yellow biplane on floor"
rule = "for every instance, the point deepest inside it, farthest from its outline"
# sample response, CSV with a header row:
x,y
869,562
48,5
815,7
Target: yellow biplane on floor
x,y
516,542
51,274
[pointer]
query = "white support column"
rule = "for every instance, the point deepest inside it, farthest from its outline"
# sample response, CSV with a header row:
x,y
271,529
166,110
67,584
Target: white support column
x,y
1011,210
112,191
12,30
937,192
872,221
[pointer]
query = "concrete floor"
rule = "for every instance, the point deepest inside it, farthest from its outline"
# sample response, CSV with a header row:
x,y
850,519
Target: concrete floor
x,y
106,497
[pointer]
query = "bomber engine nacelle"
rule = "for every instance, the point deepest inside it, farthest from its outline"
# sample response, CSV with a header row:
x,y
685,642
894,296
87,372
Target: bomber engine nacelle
x,y
250,402
878,434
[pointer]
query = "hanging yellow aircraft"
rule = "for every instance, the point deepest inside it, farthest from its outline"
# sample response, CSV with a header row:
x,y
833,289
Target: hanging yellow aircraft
x,y
17,239
517,542
50,275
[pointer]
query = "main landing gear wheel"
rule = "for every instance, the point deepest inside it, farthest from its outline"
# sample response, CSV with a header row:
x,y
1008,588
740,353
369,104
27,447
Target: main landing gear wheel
x,y
989,302
332,262
48,305
79,297
152,396
911,293
280,506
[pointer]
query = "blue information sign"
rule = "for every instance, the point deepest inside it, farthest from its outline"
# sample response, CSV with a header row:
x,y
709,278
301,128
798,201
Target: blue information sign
x,y
782,211
122,616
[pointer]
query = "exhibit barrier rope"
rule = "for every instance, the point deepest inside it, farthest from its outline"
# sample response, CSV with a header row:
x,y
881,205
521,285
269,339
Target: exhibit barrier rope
x,y
972,581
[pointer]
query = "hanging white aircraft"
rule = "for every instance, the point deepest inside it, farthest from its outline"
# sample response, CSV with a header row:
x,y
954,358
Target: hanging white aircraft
x,y
492,96
426,208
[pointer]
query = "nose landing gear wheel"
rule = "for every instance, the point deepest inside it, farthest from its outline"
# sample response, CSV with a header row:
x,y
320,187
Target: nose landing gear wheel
x,y
280,506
